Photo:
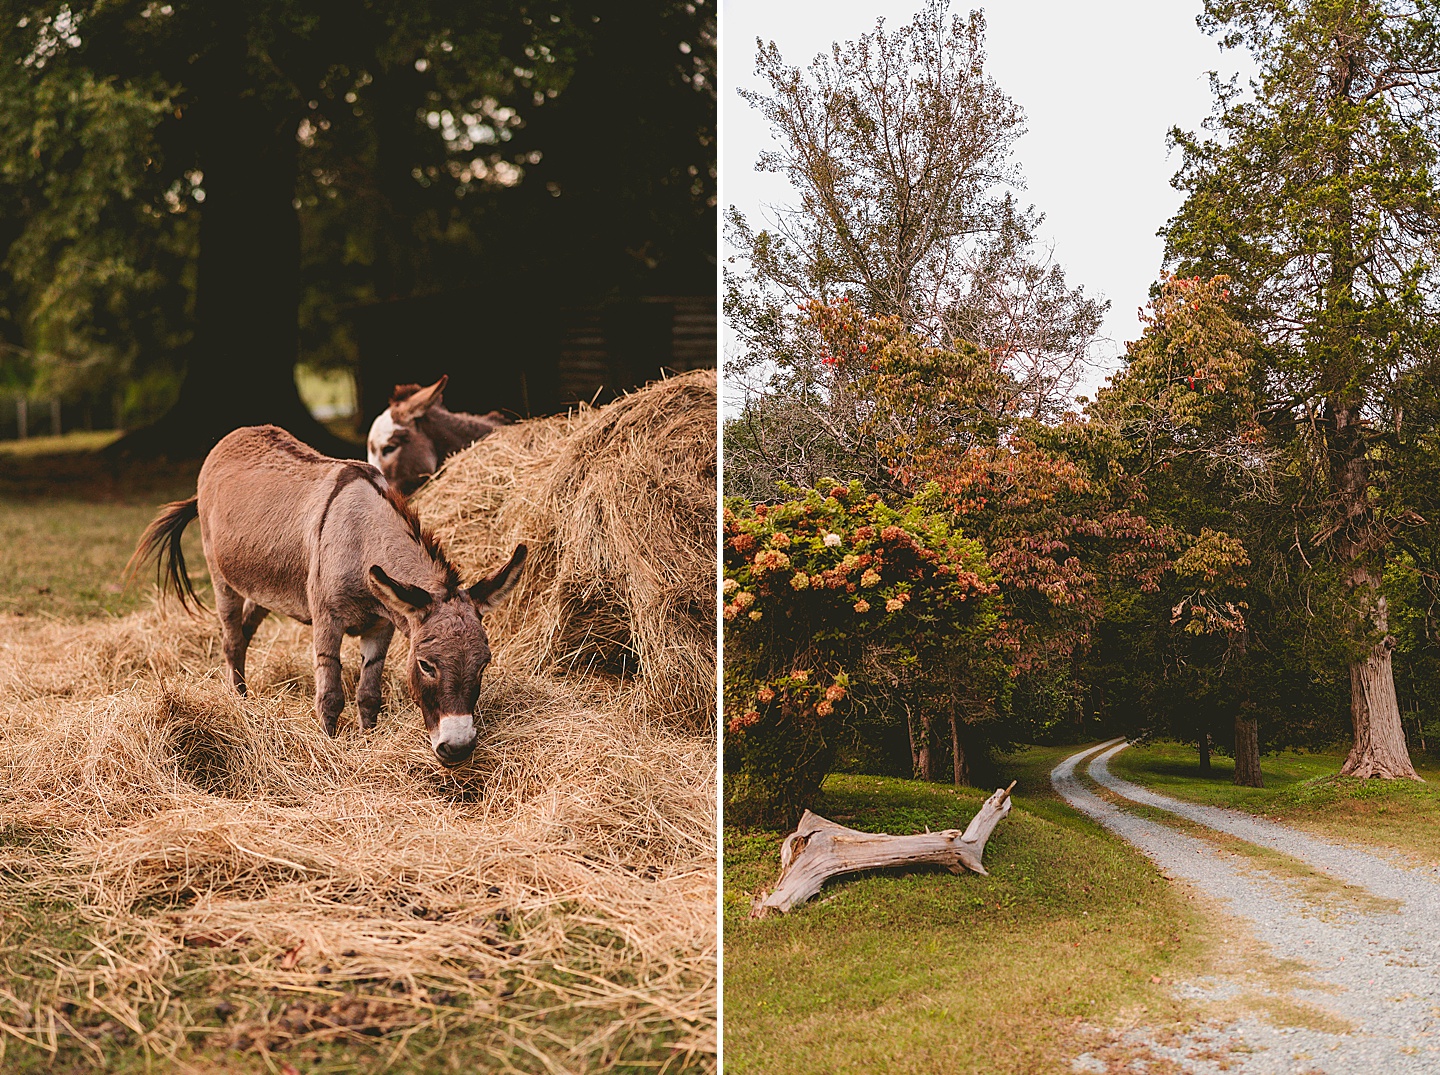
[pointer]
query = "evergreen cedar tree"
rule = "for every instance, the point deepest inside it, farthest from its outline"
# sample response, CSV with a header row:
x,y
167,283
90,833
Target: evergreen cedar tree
x,y
1316,197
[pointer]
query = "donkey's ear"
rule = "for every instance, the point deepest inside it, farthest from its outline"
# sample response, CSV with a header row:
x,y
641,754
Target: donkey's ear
x,y
488,593
400,598
416,404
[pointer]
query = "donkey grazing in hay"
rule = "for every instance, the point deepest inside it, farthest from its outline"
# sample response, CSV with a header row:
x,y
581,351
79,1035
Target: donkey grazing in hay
x,y
411,438
325,542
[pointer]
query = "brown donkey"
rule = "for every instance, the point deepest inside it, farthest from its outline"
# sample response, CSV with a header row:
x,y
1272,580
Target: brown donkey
x,y
411,438
323,541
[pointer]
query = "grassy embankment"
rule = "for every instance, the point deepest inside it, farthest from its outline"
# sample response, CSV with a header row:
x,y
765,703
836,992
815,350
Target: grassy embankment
x,y
69,520
924,971
1302,789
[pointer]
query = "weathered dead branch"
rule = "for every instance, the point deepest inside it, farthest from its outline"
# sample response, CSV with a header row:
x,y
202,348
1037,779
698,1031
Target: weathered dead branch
x,y
820,849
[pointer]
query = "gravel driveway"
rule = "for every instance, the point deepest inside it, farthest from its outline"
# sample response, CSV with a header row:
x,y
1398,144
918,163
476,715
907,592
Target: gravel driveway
x,y
1378,973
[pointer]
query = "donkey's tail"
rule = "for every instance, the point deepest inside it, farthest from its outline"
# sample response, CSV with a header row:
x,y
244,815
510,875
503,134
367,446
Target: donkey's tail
x,y
161,542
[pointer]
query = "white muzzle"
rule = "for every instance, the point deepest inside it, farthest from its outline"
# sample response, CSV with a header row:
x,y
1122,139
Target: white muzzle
x,y
453,739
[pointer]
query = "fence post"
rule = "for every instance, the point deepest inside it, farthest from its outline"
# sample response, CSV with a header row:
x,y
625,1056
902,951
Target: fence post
x,y
55,429
22,425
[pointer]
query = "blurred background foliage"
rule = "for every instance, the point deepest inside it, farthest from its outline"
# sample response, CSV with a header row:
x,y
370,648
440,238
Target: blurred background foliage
x,y
195,197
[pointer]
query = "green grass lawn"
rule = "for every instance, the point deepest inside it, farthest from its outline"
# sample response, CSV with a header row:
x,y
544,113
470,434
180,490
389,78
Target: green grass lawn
x,y
925,971
69,521
65,444
64,558
1303,789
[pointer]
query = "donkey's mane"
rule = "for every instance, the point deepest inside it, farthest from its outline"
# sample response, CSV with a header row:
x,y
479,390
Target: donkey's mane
x,y
428,541
357,471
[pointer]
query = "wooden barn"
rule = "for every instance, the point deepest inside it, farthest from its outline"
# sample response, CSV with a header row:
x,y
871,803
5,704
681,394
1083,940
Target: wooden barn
x,y
516,351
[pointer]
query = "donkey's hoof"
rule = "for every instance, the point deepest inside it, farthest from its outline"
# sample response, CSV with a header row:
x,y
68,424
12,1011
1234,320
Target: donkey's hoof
x,y
331,726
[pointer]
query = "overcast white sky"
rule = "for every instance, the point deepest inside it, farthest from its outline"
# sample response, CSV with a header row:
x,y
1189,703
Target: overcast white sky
x,y
1101,83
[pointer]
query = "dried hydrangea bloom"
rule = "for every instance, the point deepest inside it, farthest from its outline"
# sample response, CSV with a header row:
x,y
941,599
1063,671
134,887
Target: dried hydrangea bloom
x,y
767,559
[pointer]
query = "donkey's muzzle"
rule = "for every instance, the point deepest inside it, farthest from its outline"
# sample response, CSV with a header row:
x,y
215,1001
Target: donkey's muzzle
x,y
453,739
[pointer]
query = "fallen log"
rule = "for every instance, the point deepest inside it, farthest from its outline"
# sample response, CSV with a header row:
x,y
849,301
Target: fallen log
x,y
820,849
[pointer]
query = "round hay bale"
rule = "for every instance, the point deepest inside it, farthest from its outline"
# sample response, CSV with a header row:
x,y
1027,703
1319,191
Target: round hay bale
x,y
617,504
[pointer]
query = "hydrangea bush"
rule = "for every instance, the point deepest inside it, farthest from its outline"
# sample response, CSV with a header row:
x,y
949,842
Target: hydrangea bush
x,y
813,587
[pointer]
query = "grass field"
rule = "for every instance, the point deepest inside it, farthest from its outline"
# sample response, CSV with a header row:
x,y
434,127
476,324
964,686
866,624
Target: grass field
x,y
69,520
65,444
925,971
1302,789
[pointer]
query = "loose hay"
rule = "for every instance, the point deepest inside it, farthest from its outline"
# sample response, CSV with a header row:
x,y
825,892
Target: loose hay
x,y
617,504
552,903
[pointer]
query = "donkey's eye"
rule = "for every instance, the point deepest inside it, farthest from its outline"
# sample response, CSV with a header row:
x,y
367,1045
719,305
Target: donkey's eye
x,y
426,669
389,449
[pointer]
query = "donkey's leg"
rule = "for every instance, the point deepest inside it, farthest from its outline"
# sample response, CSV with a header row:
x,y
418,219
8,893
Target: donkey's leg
x,y
237,638
252,618
374,644
329,690
233,639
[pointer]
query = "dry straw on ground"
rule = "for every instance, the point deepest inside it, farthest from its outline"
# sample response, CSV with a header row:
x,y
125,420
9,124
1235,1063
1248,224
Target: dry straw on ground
x,y
550,904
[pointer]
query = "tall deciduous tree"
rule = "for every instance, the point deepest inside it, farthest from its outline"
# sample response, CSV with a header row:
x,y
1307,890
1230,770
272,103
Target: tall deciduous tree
x,y
1058,524
1316,193
1183,414
240,90
899,148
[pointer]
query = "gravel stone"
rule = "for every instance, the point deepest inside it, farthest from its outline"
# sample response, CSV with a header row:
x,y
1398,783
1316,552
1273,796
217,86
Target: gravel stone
x,y
1386,967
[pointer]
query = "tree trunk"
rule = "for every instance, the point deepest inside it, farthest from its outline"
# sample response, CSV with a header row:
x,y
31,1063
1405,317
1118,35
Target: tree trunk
x,y
240,366
819,849
957,753
1204,753
1379,748
923,752
1247,750
399,93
